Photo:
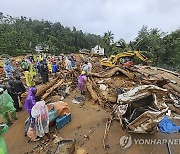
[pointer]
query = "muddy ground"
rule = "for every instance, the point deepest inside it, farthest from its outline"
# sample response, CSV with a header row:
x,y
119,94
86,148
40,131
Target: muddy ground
x,y
88,119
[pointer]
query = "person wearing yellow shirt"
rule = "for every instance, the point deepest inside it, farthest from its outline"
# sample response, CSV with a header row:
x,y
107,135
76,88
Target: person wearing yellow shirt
x,y
50,67
29,78
32,70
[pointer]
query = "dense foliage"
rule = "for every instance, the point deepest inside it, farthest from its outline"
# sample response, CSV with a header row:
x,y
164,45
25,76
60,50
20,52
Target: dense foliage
x,y
162,48
18,35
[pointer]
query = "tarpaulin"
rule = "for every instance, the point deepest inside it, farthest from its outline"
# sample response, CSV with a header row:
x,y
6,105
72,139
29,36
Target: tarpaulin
x,y
167,126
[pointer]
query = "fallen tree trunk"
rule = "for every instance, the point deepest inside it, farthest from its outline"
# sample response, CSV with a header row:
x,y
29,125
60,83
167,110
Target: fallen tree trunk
x,y
161,69
42,88
171,72
174,87
91,91
171,90
49,91
112,71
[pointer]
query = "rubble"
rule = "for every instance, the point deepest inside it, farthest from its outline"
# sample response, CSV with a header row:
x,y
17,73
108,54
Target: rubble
x,y
137,97
143,86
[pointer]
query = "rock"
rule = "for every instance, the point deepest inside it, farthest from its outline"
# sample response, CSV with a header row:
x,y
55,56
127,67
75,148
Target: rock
x,y
42,141
78,127
66,147
54,136
90,131
107,146
36,146
86,137
102,87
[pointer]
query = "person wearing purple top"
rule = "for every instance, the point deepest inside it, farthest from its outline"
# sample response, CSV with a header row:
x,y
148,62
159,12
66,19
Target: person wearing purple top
x,y
30,100
82,79
29,103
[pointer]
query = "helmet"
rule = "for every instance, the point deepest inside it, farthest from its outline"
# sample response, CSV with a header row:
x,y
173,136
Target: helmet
x,y
83,72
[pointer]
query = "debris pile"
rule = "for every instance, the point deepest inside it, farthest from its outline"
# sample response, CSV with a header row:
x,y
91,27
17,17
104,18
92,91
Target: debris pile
x,y
137,96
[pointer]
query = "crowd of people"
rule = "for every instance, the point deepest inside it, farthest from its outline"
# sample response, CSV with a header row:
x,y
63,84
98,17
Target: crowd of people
x,y
32,67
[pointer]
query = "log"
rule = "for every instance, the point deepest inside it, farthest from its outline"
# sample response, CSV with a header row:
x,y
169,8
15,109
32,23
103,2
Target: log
x,y
49,91
91,91
42,88
174,87
112,71
171,72
161,69
171,90
174,109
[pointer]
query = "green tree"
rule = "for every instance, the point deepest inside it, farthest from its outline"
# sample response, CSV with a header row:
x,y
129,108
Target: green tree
x,y
108,41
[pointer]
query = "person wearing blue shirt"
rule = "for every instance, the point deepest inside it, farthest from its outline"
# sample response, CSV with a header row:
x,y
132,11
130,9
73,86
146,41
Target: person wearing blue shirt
x,y
54,69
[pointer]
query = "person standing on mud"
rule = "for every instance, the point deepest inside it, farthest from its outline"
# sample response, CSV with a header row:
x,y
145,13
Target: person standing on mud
x,y
85,67
12,91
7,109
8,69
19,87
44,71
49,67
3,148
24,64
54,70
29,78
89,67
29,103
82,79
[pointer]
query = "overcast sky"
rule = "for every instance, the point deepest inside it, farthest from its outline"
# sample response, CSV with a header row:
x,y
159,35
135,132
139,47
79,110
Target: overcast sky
x,y
123,17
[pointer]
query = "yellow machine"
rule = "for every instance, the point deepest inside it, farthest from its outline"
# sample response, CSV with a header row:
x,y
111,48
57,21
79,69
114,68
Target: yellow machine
x,y
113,59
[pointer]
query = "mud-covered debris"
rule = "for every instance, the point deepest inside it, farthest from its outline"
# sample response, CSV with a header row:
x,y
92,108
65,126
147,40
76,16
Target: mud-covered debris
x,y
86,137
57,139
